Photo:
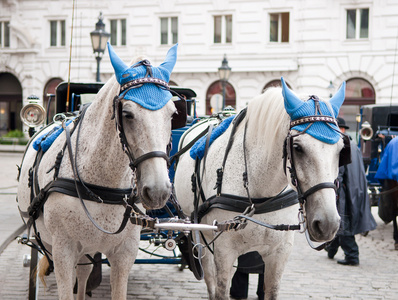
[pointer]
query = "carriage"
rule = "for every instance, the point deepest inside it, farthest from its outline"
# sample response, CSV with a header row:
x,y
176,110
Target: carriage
x,y
122,157
379,125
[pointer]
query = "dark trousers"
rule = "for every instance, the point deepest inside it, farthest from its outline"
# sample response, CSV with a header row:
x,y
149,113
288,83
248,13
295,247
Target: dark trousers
x,y
349,246
240,286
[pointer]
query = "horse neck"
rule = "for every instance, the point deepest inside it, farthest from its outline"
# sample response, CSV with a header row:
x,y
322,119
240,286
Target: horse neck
x,y
100,149
264,146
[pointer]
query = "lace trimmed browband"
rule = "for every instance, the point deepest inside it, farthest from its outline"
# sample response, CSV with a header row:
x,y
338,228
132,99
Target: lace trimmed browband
x,y
311,119
144,80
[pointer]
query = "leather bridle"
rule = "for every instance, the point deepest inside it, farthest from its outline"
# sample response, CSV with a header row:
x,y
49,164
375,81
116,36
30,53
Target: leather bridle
x,y
345,158
288,155
345,154
134,162
118,116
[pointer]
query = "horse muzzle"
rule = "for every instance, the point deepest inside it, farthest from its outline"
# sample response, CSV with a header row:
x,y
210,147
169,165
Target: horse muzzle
x,y
323,229
155,196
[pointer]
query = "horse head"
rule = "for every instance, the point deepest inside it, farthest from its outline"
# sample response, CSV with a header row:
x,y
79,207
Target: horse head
x,y
143,112
313,149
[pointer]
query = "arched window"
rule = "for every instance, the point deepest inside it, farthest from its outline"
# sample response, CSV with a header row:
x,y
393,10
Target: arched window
x,y
274,83
50,89
359,92
217,88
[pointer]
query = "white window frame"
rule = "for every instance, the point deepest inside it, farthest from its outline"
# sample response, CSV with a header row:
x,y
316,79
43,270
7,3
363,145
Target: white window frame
x,y
119,32
58,42
169,32
223,29
279,38
2,34
357,23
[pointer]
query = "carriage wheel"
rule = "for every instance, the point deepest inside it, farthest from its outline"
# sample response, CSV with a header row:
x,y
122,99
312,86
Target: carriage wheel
x,y
33,282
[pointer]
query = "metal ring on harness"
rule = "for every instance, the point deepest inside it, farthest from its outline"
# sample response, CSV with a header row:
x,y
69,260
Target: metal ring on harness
x,y
197,246
59,118
302,222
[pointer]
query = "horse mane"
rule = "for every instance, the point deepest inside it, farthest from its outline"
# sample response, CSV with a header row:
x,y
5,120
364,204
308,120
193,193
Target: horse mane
x,y
267,119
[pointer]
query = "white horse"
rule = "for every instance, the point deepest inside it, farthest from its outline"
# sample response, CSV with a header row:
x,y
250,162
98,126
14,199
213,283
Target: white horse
x,y
315,162
144,115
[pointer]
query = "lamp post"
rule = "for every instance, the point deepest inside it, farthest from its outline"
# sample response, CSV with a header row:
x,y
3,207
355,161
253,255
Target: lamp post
x,y
330,88
223,72
99,38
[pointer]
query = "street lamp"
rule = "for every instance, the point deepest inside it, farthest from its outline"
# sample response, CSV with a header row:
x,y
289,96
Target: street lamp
x,y
330,88
223,72
99,38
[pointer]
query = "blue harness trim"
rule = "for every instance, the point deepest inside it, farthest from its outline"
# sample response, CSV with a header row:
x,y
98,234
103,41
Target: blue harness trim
x,y
47,139
198,149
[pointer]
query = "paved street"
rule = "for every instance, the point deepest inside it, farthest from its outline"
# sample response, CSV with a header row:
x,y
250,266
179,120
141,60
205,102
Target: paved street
x,y
309,274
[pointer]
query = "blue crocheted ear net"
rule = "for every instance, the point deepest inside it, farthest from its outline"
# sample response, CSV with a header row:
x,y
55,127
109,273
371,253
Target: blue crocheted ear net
x,y
319,130
297,108
149,95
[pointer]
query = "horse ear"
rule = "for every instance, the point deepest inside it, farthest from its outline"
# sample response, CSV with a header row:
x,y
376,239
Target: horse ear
x,y
170,61
292,102
118,65
337,100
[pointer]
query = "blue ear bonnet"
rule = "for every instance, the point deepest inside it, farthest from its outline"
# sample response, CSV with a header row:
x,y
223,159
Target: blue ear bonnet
x,y
319,130
296,108
148,95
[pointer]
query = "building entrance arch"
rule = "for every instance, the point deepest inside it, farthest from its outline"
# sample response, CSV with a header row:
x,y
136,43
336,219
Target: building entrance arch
x,y
10,103
217,88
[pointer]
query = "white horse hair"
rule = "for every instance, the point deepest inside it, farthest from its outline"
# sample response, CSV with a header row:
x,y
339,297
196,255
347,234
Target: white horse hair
x,y
64,227
267,128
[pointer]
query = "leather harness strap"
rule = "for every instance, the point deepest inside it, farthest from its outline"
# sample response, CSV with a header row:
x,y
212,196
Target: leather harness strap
x,y
239,204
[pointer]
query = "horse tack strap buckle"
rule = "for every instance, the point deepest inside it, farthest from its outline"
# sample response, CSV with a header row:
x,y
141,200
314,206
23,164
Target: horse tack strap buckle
x,y
143,220
238,222
229,225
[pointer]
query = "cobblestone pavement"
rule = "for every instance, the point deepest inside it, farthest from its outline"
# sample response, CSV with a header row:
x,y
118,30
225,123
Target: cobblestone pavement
x,y
309,274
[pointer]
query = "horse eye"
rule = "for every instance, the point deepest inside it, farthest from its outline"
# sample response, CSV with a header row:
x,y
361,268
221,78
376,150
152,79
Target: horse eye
x,y
127,115
298,148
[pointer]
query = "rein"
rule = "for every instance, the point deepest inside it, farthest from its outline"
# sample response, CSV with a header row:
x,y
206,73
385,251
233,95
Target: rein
x,y
77,187
246,205
229,202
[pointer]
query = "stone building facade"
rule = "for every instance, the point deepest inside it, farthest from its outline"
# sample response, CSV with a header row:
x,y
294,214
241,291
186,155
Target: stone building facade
x,y
313,44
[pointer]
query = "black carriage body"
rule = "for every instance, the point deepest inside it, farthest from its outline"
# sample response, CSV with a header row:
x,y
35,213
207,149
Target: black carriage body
x,y
76,90
383,120
79,91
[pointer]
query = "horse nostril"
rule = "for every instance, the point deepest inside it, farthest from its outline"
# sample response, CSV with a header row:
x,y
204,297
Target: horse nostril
x,y
317,226
154,194
145,192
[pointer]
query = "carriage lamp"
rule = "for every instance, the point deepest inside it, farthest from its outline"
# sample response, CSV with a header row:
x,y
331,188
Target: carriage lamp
x,y
33,114
330,88
223,72
366,131
99,38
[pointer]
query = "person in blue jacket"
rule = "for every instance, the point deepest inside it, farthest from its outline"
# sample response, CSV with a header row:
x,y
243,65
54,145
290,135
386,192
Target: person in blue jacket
x,y
353,206
387,174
